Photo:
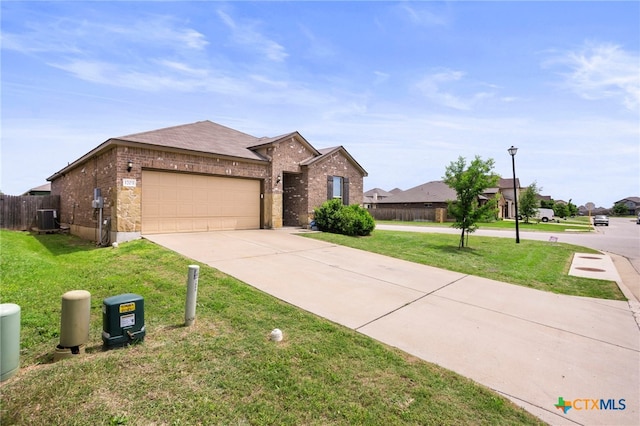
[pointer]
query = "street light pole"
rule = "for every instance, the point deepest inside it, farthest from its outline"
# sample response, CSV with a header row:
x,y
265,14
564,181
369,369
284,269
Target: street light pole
x,y
512,152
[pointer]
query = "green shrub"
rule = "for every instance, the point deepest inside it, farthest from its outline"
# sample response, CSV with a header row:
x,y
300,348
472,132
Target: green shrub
x,y
337,218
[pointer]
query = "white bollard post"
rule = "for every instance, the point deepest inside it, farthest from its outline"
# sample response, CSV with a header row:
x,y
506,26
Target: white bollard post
x,y
192,295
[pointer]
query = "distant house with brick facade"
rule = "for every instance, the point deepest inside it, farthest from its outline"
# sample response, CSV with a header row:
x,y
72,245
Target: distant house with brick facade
x,y
201,177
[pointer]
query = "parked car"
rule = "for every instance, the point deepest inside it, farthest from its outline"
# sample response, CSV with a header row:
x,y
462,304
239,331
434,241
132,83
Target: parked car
x,y
600,219
638,220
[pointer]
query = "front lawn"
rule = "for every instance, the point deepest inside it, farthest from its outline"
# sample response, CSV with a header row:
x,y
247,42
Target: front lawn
x,y
569,225
536,264
223,370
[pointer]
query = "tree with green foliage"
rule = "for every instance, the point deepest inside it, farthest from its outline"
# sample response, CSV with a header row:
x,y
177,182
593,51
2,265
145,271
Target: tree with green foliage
x,y
528,203
620,209
547,204
560,210
469,183
573,209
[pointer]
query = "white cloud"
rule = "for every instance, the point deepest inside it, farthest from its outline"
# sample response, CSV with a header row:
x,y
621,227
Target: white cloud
x,y
318,48
422,15
433,87
183,67
380,77
84,36
599,71
246,35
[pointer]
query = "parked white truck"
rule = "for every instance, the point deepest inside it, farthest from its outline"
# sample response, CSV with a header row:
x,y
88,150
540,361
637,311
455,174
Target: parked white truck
x,y
544,215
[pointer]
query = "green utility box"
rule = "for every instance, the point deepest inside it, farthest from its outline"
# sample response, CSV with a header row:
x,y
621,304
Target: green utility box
x,y
122,320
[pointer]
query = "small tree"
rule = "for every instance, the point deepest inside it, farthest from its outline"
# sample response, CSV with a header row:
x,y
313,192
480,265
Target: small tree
x,y
620,209
561,210
573,209
469,183
528,203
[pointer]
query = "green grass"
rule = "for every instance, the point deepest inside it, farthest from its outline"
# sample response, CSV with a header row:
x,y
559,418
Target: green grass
x,y
535,264
577,224
223,370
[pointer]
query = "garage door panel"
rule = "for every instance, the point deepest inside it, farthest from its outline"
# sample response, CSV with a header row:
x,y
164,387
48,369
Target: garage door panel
x,y
177,202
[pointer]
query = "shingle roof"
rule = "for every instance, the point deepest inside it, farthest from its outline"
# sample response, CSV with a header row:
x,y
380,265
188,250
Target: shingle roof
x,y
430,192
380,192
508,183
633,199
202,136
211,138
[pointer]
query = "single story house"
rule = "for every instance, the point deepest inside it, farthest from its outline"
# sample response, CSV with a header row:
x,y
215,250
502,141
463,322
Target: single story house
x,y
372,196
426,202
200,177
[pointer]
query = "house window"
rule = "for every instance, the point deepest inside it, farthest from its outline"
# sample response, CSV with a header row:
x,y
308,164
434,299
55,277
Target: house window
x,y
338,187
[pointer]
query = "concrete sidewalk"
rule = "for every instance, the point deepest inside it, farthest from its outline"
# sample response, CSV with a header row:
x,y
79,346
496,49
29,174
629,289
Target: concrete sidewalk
x,y
531,346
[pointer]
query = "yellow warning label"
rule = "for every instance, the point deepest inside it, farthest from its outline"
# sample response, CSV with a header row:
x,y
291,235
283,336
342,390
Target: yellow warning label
x,y
127,307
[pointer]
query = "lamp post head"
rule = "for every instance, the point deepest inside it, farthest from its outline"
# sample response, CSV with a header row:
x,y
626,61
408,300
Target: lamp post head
x,y
512,150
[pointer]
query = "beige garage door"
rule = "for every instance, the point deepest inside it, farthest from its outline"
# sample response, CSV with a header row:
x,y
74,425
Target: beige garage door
x,y
179,202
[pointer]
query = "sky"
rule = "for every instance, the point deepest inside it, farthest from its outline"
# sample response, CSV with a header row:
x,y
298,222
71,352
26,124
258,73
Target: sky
x,y
406,87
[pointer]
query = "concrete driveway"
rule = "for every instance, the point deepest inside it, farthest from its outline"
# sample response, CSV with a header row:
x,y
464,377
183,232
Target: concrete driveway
x,y
531,346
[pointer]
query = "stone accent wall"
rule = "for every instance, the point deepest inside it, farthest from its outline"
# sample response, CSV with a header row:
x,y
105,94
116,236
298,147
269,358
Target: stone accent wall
x,y
286,157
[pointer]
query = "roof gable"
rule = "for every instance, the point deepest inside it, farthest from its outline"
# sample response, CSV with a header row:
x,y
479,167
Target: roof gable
x,y
264,141
327,152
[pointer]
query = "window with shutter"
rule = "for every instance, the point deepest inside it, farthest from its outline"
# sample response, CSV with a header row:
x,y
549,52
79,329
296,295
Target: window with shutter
x,y
345,191
338,187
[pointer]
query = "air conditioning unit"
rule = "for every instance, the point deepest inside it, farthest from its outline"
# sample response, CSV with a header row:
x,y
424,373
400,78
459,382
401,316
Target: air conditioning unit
x,y
47,219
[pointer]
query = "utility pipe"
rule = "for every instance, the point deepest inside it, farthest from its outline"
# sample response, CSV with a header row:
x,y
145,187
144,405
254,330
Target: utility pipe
x,y
192,295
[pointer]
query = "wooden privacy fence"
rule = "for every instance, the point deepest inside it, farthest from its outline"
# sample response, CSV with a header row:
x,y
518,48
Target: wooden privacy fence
x,y
18,212
410,214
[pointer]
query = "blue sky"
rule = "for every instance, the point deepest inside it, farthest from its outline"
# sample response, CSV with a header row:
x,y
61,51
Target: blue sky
x,y
405,87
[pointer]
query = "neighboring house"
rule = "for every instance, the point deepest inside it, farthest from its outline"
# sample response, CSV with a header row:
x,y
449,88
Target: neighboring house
x,y
201,177
40,190
506,201
373,196
632,203
428,201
